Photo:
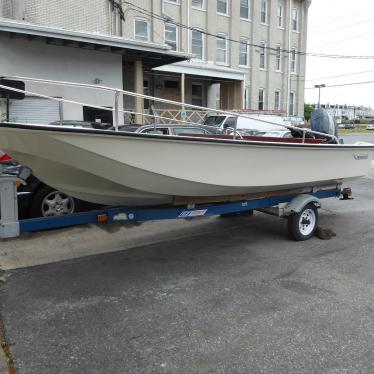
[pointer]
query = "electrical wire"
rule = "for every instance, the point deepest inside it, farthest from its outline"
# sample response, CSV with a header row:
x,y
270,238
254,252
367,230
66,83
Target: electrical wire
x,y
299,78
369,20
300,53
341,85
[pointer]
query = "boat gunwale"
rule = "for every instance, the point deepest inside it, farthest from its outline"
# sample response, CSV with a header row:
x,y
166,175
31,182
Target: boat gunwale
x,y
64,129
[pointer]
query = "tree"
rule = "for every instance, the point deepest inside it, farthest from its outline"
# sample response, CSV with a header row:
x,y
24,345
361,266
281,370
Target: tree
x,y
308,109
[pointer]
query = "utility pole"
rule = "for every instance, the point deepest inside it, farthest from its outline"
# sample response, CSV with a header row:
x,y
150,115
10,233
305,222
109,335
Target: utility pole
x,y
319,86
289,57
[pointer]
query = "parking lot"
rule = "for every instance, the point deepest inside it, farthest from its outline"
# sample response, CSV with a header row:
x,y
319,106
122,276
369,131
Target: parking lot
x,y
207,296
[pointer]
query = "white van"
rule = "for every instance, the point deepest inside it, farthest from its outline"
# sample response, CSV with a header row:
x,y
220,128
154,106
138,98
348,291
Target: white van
x,y
255,122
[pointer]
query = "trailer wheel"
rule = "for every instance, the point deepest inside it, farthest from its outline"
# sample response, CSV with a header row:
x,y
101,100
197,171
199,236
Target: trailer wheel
x,y
302,225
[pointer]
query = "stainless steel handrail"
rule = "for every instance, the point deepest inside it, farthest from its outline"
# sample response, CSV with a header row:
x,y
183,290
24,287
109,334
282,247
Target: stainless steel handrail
x,y
118,91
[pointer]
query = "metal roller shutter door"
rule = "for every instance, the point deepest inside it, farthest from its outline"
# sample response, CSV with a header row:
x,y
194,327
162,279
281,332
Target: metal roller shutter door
x,y
34,110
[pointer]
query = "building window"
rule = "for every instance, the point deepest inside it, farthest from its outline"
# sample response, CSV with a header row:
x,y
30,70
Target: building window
x,y
293,60
244,52
278,59
244,9
221,49
222,7
277,100
261,99
264,11
295,19
280,16
141,29
198,4
263,55
291,104
171,35
197,44
171,84
171,1
197,94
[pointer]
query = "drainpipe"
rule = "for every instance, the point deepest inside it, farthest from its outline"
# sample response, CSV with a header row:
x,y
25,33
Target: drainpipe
x,y
289,58
19,10
188,26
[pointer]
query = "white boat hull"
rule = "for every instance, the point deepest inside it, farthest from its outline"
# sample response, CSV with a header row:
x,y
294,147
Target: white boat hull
x,y
133,169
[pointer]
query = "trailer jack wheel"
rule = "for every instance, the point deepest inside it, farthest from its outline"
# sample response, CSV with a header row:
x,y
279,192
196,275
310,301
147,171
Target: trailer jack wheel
x,y
302,225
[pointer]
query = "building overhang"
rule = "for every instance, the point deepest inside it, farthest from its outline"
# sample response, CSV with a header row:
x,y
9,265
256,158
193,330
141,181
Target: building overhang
x,y
152,54
195,68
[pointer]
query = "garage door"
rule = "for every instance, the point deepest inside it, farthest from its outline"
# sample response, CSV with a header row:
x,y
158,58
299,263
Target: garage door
x,y
34,110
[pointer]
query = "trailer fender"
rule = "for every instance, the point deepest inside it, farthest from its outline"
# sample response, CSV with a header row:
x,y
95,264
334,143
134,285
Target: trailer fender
x,y
297,204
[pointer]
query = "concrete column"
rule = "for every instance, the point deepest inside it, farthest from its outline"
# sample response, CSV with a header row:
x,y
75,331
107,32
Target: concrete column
x,y
183,88
212,96
138,88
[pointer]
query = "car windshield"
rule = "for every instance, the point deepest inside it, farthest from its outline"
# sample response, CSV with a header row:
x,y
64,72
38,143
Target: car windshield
x,y
214,121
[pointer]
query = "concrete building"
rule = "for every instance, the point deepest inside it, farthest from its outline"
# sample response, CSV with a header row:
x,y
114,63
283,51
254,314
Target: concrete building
x,y
239,49
70,41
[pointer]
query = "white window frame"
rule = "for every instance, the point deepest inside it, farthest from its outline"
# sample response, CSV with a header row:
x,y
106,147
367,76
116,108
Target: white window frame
x,y
293,63
292,103
277,107
280,16
227,8
295,19
222,36
199,8
148,28
279,59
246,42
246,98
261,89
263,55
249,3
176,36
202,44
174,2
264,2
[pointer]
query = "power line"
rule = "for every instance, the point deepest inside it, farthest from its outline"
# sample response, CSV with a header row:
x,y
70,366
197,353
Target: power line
x,y
342,85
369,20
321,25
275,49
299,77
346,39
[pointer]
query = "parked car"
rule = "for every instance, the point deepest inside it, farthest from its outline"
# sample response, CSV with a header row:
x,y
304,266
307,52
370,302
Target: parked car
x,y
370,127
172,129
36,199
349,126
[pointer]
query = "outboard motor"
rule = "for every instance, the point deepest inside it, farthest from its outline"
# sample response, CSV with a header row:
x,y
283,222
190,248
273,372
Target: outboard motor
x,y
322,121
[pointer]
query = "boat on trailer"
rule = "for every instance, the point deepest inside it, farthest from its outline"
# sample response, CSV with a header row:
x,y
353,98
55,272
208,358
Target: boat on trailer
x,y
130,169
114,167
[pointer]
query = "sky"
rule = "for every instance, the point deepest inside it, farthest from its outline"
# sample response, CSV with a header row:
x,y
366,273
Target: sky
x,y
342,27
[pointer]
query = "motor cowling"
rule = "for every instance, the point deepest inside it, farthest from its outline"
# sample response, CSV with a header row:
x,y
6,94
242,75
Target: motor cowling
x,y
322,121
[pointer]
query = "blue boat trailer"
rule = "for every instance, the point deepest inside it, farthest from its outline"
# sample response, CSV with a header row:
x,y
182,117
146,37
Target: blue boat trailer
x,y
299,207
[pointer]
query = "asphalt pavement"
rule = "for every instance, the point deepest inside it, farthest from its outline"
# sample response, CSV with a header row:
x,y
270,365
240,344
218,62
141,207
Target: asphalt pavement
x,y
225,296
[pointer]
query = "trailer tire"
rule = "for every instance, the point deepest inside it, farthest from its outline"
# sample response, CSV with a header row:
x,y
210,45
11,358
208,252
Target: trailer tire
x,y
302,225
